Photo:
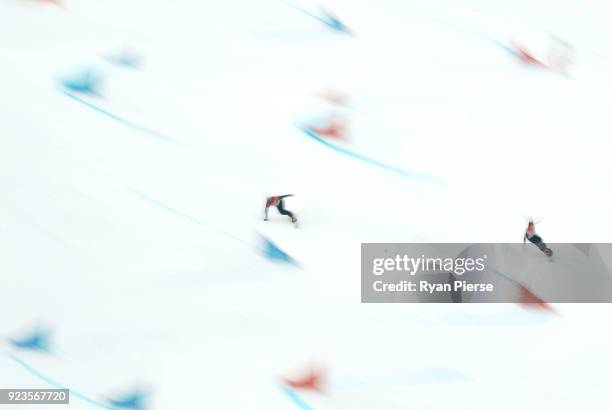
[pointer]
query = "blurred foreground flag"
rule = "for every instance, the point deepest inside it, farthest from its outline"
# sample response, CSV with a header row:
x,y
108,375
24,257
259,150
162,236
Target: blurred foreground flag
x,y
134,400
312,379
272,252
35,340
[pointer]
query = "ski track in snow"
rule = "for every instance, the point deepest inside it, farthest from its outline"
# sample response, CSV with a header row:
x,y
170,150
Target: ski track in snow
x,y
295,398
192,219
290,393
412,175
122,120
55,384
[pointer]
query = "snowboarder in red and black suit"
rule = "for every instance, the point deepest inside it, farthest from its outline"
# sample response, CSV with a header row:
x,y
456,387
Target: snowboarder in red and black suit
x,y
534,238
278,202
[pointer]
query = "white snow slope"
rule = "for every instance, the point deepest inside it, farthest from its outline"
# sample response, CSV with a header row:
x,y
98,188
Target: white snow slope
x,y
130,221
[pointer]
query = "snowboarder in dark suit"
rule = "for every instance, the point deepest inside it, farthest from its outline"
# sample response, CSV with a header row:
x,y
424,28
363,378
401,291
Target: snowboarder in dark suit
x,y
278,202
534,238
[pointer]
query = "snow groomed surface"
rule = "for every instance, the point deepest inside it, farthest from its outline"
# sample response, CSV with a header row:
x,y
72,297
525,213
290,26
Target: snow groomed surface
x,y
131,227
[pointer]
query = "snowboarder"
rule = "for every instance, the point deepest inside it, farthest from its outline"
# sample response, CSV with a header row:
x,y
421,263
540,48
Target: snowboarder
x,y
530,234
278,202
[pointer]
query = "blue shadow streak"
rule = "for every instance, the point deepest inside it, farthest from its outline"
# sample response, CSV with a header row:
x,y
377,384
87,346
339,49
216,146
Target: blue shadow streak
x,y
123,121
190,218
503,276
332,22
57,385
371,161
297,400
